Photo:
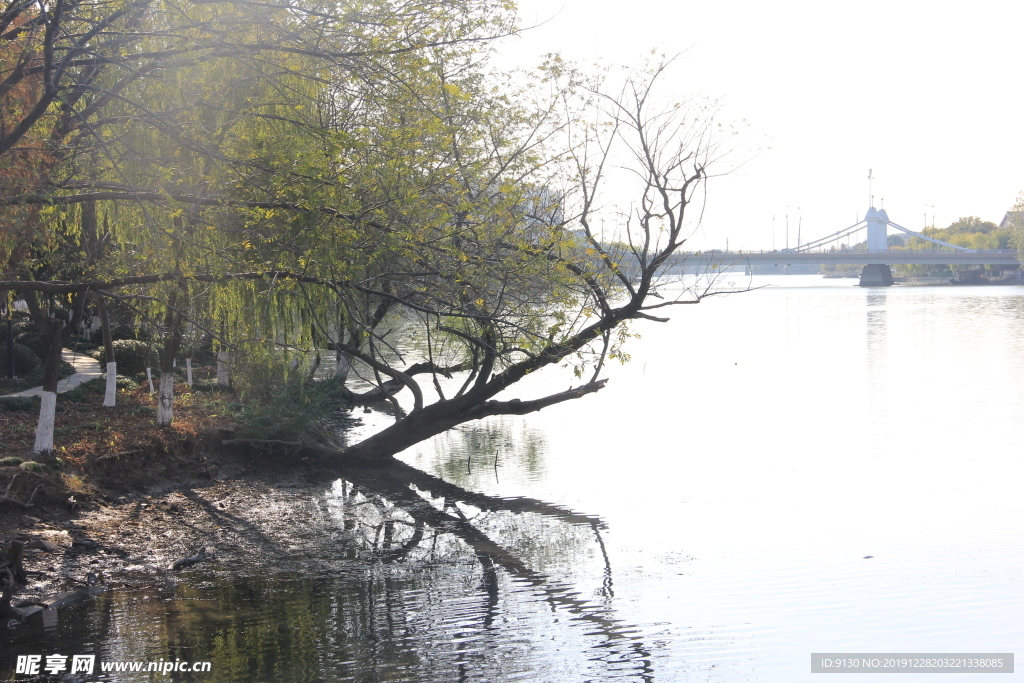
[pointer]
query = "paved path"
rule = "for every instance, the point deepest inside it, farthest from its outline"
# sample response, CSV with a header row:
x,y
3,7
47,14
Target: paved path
x,y
85,369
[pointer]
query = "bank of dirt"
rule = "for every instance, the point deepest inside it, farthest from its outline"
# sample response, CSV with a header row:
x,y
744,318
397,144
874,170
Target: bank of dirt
x,y
123,499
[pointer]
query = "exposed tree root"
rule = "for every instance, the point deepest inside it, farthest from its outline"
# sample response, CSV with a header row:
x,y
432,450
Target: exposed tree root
x,y
6,498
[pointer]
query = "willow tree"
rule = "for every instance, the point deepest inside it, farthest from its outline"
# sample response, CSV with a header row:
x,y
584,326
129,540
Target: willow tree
x,y
266,151
353,175
479,261
157,112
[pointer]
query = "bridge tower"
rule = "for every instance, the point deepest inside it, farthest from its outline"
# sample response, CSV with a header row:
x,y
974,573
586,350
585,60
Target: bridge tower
x,y
877,223
877,274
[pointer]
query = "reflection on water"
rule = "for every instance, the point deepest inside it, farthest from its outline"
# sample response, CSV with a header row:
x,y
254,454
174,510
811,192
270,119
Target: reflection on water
x,y
476,454
743,466
428,581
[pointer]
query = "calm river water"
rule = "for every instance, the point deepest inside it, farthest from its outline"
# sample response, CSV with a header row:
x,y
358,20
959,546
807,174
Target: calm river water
x,y
808,467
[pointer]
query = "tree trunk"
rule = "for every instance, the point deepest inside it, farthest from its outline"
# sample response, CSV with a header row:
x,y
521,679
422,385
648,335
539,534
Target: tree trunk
x,y
172,342
223,369
44,428
10,345
165,407
110,395
441,416
14,561
342,366
51,333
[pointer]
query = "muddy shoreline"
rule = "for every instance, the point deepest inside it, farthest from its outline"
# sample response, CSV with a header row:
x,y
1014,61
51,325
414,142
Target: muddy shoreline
x,y
228,501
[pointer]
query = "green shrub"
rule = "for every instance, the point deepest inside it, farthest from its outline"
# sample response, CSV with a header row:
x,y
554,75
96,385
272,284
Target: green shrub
x,y
10,461
134,356
33,466
258,375
30,338
291,414
15,403
83,391
25,359
34,378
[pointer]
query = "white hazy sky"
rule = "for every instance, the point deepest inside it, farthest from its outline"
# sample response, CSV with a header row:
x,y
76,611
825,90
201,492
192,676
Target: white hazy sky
x,y
926,94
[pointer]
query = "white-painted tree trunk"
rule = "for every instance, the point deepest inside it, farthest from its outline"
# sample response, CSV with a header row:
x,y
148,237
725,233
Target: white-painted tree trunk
x,y
110,395
44,429
165,408
149,376
188,371
223,369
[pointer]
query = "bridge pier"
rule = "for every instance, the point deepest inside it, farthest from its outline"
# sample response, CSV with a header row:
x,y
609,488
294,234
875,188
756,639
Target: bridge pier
x,y
876,275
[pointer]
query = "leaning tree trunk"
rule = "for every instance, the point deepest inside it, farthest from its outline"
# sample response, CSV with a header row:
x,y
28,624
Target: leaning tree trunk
x,y
110,395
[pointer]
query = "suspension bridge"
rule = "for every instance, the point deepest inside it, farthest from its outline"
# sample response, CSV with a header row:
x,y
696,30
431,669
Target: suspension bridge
x,y
835,249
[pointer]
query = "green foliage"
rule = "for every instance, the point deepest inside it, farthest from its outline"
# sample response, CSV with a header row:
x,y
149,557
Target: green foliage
x,y
33,466
133,356
970,232
35,377
293,176
83,392
25,360
1016,221
10,461
259,373
18,403
294,412
30,339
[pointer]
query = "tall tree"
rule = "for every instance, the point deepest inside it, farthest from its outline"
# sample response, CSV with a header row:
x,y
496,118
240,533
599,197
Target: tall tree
x,y
353,174
157,112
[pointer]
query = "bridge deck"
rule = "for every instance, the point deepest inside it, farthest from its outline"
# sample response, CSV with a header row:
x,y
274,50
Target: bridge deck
x,y
1000,257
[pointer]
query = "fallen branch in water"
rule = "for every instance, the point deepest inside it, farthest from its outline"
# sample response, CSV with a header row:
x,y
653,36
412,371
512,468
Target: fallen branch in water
x,y
189,561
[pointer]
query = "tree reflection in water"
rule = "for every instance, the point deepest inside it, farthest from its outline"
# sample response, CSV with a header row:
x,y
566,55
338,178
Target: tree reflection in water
x,y
397,513
390,574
